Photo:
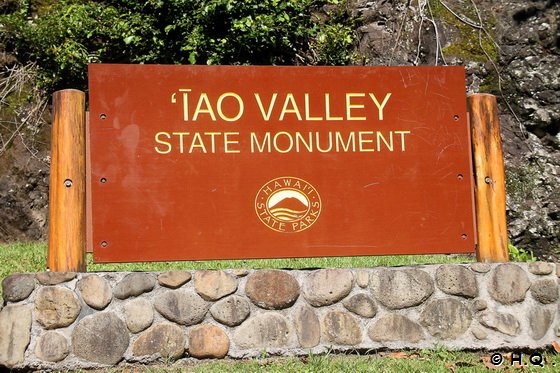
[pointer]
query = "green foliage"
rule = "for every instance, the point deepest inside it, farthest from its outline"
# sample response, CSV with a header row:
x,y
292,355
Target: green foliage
x,y
67,35
520,255
334,38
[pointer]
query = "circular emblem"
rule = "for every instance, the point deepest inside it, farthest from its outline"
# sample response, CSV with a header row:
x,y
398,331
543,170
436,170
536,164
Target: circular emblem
x,y
288,204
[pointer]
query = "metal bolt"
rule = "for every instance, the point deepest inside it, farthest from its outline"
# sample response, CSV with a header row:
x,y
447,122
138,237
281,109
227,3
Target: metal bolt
x,y
102,116
456,117
488,180
464,236
460,176
103,180
67,183
104,244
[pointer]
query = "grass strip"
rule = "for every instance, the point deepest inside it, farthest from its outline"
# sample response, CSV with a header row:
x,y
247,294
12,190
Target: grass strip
x,y
21,257
438,360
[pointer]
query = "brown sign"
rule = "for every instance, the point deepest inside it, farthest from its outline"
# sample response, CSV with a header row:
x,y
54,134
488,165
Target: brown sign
x,y
219,162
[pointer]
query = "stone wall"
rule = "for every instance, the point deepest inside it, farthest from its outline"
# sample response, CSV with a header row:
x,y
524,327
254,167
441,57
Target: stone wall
x,y
88,320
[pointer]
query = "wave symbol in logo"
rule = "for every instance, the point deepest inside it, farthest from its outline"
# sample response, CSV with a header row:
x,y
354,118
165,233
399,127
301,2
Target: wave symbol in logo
x,y
288,204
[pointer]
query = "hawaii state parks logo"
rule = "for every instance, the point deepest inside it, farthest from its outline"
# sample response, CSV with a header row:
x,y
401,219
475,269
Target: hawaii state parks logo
x,y
288,204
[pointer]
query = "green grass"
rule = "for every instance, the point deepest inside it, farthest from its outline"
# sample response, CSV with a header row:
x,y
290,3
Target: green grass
x,y
440,360
31,257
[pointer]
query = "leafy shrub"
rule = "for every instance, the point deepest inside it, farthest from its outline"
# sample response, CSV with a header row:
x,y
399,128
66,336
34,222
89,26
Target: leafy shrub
x,y
520,255
62,37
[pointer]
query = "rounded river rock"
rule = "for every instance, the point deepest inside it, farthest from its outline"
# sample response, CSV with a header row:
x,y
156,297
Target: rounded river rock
x,y
508,283
52,346
267,330
341,328
101,338
133,285
56,307
213,285
446,318
308,327
174,279
394,327
95,291
361,304
18,287
327,286
139,314
457,280
165,339
208,341
272,289
397,289
184,307
231,311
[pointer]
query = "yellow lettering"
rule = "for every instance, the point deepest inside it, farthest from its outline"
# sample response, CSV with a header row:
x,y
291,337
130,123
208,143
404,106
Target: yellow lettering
x,y
294,108
157,138
213,139
380,138
363,141
228,142
380,106
290,142
328,108
302,140
203,100
266,144
345,147
266,115
185,104
239,102
197,143
181,134
318,142
402,133
307,115
350,106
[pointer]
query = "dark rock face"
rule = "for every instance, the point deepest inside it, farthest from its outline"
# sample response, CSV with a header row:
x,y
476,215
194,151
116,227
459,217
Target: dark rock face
x,y
530,40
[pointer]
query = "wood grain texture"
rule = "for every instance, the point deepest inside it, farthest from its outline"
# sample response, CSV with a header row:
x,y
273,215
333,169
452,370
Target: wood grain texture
x,y
67,195
489,179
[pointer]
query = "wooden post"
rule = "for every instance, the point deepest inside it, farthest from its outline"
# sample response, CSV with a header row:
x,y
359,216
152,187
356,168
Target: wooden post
x,y
67,197
489,179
